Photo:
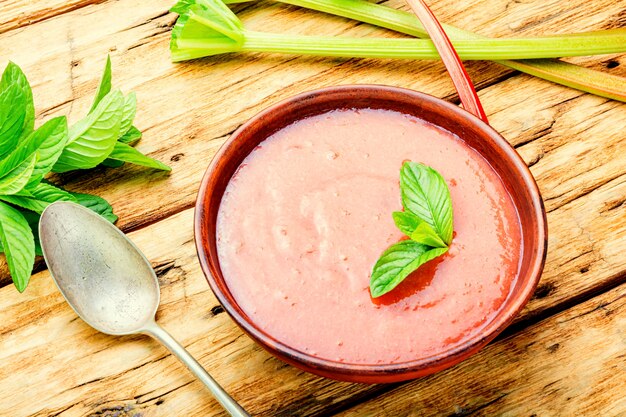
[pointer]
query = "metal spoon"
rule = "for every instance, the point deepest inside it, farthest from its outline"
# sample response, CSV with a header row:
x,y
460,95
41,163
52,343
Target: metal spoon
x,y
109,283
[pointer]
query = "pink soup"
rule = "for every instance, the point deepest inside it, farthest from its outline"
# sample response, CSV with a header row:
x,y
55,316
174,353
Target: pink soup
x,y
308,213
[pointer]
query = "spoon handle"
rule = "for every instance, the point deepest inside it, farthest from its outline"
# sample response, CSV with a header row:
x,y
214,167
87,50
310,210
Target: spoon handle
x,y
229,404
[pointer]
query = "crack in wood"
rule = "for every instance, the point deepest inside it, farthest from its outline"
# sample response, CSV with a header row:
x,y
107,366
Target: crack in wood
x,y
159,397
589,251
59,412
583,191
536,135
127,410
152,19
46,14
117,375
553,348
463,412
146,40
617,21
613,204
329,406
601,306
49,110
169,272
538,157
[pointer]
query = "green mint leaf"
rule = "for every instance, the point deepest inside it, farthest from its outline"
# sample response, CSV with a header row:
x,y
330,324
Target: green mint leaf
x,y
131,137
33,157
105,85
13,76
33,222
24,202
31,144
39,197
405,221
112,163
18,244
51,193
15,180
417,229
12,114
92,139
426,220
49,151
397,262
426,194
425,235
96,204
125,153
128,113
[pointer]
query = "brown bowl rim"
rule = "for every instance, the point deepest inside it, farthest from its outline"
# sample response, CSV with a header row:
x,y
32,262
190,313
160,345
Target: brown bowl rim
x,y
377,372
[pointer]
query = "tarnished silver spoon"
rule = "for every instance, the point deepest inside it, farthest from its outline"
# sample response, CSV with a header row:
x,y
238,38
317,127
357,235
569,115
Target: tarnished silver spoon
x,y
109,283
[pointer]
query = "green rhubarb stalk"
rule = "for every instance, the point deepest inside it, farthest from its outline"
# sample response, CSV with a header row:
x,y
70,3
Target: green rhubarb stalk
x,y
479,49
205,32
580,78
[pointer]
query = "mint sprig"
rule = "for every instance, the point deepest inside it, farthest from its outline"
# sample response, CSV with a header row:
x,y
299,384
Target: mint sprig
x,y
426,220
105,136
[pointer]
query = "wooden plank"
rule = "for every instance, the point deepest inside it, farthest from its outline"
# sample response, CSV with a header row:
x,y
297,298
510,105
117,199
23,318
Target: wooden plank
x,y
187,110
18,13
528,17
572,364
40,335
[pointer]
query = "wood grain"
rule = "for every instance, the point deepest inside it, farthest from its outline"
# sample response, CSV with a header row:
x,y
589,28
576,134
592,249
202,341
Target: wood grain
x,y
572,364
187,110
17,13
60,363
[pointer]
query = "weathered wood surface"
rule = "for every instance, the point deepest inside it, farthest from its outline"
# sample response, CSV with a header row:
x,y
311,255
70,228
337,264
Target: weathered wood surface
x,y
53,364
572,364
17,13
63,366
70,50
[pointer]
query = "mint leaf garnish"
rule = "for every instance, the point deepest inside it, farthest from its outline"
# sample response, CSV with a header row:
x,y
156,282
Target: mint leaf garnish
x,y
417,229
426,220
397,262
425,194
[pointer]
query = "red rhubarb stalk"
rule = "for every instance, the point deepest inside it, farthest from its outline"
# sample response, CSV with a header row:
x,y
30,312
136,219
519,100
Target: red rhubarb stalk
x,y
450,58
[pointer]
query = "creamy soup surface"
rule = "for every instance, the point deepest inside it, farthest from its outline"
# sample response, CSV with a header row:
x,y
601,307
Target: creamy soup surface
x,y
308,213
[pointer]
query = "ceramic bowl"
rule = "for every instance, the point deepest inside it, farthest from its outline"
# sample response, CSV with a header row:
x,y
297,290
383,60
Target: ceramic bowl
x,y
485,140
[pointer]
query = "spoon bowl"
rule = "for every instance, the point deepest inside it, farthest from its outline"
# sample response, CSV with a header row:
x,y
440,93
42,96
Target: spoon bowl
x,y
109,283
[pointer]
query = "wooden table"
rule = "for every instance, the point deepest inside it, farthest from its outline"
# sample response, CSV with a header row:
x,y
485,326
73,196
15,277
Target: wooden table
x,y
563,356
